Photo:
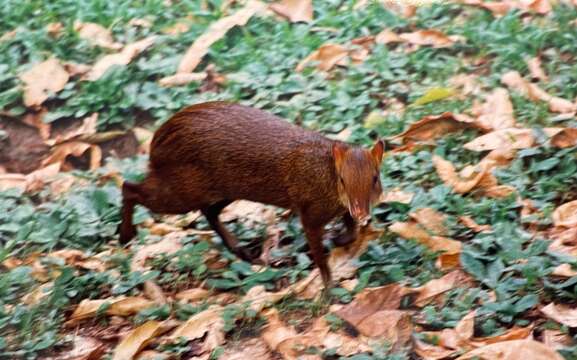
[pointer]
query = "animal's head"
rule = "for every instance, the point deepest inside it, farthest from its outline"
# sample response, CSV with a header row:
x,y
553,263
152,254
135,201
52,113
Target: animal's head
x,y
359,183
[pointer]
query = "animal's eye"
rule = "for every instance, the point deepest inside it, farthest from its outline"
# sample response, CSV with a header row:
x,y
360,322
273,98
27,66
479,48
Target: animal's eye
x,y
341,180
375,179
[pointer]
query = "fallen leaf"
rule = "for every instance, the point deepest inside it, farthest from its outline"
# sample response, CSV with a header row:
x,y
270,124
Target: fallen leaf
x,y
414,231
565,138
564,270
180,79
38,294
372,300
54,29
77,258
436,287
429,37
85,129
497,111
513,350
177,28
35,119
170,244
561,313
504,139
431,352
327,56
144,23
254,349
154,292
566,215
396,195
259,298
536,69
12,181
42,80
471,224
215,32
208,324
124,57
96,35
557,339
515,333
387,36
122,306
393,326
60,152
435,126
514,81
192,295
249,212
294,10
431,220
469,83
83,348
137,339
152,355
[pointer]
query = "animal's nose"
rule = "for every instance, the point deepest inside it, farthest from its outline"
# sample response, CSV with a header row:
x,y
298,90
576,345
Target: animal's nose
x,y
361,215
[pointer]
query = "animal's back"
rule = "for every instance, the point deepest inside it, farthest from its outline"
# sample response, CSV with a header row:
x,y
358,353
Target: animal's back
x,y
244,152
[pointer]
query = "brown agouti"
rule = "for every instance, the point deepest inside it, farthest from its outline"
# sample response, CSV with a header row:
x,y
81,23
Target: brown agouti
x,y
210,154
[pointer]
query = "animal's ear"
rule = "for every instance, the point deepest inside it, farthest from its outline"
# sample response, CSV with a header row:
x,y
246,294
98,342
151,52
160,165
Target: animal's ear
x,y
339,151
378,150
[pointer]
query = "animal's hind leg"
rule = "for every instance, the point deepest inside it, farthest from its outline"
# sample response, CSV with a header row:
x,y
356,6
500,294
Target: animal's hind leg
x,y
130,197
211,213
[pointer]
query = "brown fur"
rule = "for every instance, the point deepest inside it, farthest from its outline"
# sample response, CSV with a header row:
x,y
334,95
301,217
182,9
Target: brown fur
x,y
210,154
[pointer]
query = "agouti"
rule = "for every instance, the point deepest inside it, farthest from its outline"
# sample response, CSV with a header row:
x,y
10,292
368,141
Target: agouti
x,y
209,155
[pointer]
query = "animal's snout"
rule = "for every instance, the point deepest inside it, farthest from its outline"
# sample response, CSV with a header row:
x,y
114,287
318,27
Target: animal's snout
x,y
360,213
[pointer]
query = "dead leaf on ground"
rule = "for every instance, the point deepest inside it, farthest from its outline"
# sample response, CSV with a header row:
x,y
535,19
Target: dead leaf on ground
x,y
60,153
511,138
430,37
35,119
215,32
249,212
121,306
254,349
77,258
396,195
536,69
180,79
96,35
435,126
513,350
327,56
565,138
557,340
192,295
566,215
42,80
137,339
556,104
86,128
83,348
207,324
471,224
387,36
431,352
561,313
436,287
469,83
497,111
564,270
294,10
124,57
413,230
431,219
393,326
170,244
32,182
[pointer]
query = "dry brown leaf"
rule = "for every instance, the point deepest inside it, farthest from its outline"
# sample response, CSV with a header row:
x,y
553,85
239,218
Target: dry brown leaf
x,y
396,195
259,298
431,37
471,224
414,231
180,79
564,270
536,69
137,339
513,350
294,10
12,181
87,128
563,314
497,111
124,57
514,81
436,287
96,35
566,215
207,324
74,148
557,340
249,212
152,355
327,56
431,220
393,326
177,28
515,333
504,139
170,244
372,300
192,295
9,35
387,36
448,174
75,69
254,349
431,352
42,80
154,292
83,348
468,82
77,258
565,138
215,32
123,306
435,126
36,295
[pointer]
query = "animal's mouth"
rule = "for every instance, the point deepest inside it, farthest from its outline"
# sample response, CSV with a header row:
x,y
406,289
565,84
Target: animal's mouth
x,y
360,214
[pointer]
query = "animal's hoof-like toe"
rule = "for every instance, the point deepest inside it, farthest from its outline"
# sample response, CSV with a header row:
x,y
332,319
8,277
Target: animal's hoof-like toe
x,y
126,233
